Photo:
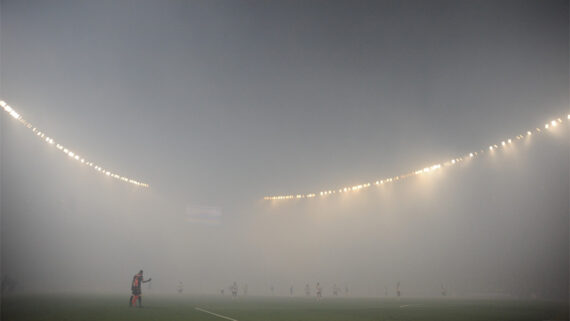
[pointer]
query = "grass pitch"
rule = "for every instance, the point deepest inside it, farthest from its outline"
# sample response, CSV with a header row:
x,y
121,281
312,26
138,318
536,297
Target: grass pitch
x,y
183,307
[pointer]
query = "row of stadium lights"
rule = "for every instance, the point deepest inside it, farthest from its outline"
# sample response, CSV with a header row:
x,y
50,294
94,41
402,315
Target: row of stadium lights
x,y
50,141
346,189
423,171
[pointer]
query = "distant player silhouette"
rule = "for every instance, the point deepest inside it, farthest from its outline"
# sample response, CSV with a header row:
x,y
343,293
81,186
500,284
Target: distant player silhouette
x,y
319,290
136,289
398,293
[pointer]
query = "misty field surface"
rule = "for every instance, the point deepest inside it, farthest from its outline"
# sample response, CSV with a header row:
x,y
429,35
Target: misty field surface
x,y
101,307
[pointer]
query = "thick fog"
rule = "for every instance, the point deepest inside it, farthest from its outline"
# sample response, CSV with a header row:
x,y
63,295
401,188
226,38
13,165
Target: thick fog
x,y
217,104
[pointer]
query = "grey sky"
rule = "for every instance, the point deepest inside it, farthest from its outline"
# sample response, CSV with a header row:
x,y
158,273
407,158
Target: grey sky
x,y
219,103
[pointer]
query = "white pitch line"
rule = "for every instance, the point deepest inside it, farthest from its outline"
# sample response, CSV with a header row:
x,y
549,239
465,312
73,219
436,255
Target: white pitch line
x,y
218,315
409,305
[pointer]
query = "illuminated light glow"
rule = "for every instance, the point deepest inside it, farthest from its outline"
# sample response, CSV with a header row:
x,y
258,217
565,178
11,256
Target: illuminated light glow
x,y
66,151
429,168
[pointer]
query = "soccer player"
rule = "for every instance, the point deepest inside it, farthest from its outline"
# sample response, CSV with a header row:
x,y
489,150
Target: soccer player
x,y
180,287
319,290
234,289
245,289
307,290
443,291
398,289
136,289
335,290
291,290
346,290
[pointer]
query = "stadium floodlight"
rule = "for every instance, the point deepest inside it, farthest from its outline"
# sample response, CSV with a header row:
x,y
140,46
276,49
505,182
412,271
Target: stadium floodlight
x,y
50,140
427,169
